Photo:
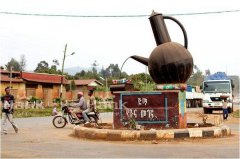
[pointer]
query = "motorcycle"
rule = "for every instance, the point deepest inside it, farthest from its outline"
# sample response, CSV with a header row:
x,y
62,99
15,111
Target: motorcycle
x,y
60,120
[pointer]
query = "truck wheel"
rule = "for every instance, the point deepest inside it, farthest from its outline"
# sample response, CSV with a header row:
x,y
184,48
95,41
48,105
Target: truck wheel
x,y
210,111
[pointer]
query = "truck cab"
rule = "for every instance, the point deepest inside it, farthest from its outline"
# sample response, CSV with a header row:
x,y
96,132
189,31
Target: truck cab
x,y
214,91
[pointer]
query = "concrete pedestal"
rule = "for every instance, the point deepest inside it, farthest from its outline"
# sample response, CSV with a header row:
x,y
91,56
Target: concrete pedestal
x,y
157,109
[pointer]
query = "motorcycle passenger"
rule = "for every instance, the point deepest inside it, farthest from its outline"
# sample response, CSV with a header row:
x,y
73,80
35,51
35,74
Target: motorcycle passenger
x,y
80,106
91,107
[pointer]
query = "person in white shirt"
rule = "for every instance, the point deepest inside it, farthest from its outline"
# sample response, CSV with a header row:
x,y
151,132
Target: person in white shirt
x,y
7,111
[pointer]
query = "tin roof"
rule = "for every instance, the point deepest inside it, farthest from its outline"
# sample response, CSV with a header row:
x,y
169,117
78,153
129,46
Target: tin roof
x,y
5,78
43,78
85,82
8,72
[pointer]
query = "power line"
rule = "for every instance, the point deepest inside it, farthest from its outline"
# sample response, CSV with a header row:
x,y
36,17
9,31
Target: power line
x,y
198,13
115,16
65,15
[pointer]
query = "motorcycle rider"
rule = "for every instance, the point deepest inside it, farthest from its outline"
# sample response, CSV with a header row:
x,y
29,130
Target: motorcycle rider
x,y
7,111
80,106
91,107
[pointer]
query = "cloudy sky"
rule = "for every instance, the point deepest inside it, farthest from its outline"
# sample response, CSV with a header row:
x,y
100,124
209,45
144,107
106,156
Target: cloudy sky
x,y
213,38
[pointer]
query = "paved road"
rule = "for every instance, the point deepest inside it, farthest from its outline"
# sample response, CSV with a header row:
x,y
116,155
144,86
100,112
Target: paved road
x,y
37,138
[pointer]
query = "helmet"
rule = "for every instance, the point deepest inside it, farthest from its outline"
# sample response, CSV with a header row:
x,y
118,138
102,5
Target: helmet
x,y
80,93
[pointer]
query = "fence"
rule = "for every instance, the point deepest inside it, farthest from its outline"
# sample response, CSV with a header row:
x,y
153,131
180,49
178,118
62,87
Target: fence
x,y
27,105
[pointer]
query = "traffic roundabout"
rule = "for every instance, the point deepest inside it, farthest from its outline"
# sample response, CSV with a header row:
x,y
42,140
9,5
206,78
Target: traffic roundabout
x,y
104,132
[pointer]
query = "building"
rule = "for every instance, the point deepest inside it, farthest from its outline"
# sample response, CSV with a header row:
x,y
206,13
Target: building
x,y
30,84
13,80
83,86
44,86
88,84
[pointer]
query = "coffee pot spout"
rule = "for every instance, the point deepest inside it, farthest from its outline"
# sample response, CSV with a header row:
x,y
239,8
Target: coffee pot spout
x,y
140,59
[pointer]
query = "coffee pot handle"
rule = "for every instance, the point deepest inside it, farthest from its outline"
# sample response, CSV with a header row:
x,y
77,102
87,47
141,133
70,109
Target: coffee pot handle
x,y
181,26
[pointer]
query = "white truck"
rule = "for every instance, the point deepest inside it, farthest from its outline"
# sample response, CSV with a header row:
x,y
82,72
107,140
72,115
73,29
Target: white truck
x,y
216,87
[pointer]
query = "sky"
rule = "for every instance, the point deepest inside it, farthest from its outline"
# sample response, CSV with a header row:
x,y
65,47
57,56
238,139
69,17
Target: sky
x,y
213,39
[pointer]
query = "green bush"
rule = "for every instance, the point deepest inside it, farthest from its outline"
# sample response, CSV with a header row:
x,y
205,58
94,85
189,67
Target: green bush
x,y
98,99
109,99
57,100
107,109
34,99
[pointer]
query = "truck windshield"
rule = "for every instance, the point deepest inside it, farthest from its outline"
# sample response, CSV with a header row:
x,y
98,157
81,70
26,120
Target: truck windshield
x,y
217,86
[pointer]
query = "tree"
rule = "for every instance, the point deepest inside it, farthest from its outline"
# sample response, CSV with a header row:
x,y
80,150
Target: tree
x,y
113,71
22,62
14,64
80,75
42,67
142,80
196,78
103,72
55,62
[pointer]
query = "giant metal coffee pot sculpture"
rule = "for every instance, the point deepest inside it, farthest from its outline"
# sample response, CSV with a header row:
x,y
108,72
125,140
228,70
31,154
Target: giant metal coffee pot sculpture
x,y
169,62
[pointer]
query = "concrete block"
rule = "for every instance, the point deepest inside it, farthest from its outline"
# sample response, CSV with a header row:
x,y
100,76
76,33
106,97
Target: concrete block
x,y
217,132
165,134
101,134
148,135
207,133
225,130
194,132
181,134
114,135
90,134
129,135
80,132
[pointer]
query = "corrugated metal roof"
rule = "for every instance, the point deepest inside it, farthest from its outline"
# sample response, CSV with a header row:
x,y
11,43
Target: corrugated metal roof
x,y
43,78
5,78
85,82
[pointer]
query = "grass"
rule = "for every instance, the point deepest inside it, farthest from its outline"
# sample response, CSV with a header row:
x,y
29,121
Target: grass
x,y
26,113
236,114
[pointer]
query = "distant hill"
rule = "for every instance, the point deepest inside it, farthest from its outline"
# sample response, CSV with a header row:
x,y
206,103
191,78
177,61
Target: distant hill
x,y
76,69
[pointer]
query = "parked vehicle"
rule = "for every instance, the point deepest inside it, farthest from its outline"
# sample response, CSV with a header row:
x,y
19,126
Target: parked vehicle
x,y
60,121
194,98
216,87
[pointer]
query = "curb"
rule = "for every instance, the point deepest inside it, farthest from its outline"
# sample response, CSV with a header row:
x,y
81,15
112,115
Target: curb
x,y
130,135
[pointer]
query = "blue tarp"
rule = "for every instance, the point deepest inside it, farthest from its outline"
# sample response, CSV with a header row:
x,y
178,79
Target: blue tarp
x,y
189,88
218,76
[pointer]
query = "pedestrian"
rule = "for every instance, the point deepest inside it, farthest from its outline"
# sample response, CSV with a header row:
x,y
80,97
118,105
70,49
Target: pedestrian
x,y
54,111
225,109
7,111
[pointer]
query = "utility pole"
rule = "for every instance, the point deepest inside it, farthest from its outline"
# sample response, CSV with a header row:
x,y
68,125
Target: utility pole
x,y
11,67
64,56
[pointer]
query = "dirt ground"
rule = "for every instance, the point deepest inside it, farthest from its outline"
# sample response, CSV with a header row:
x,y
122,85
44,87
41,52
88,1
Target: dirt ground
x,y
37,138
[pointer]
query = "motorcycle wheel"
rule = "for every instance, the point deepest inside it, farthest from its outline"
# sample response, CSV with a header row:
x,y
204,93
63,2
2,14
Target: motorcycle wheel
x,y
59,121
